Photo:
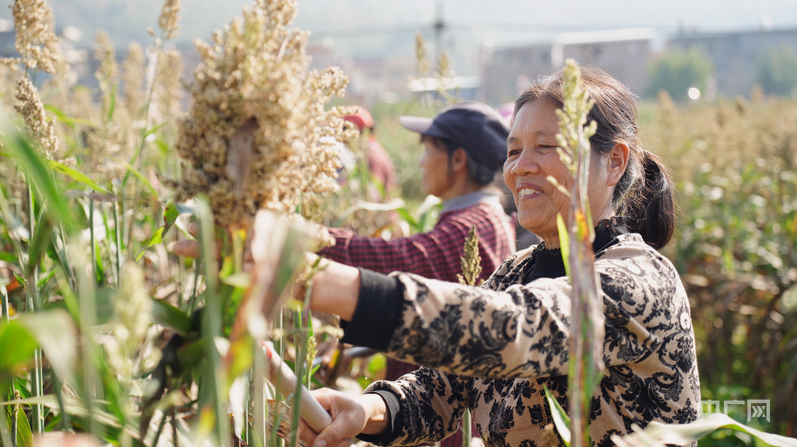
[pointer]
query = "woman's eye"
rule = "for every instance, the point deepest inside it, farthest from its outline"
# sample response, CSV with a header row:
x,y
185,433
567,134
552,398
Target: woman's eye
x,y
513,152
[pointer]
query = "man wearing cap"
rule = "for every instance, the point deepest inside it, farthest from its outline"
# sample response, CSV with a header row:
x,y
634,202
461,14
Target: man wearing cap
x,y
464,146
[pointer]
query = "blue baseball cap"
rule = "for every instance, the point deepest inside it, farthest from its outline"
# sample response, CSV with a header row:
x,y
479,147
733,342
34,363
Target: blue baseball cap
x,y
475,127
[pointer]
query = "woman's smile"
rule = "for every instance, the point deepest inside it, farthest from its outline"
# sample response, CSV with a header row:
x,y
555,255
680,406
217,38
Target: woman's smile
x,y
527,191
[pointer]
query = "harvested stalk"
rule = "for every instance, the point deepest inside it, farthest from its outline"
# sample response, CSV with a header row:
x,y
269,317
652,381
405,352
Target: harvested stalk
x,y
280,373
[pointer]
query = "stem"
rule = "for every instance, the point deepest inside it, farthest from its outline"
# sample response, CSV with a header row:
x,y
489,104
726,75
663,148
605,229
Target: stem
x,y
93,241
33,305
466,429
160,430
59,394
175,441
117,231
192,301
88,315
259,434
301,353
7,219
4,308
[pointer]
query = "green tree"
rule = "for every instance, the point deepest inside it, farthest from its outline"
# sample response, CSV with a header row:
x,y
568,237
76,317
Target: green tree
x,y
777,71
677,71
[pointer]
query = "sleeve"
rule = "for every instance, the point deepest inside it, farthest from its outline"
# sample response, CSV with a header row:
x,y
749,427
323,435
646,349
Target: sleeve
x,y
524,331
425,406
427,254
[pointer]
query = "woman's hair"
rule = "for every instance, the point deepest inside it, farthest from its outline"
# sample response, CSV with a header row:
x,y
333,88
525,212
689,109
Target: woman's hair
x,y
644,194
477,172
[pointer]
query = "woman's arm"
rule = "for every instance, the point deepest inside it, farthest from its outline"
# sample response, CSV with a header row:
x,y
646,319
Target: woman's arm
x,y
335,288
522,331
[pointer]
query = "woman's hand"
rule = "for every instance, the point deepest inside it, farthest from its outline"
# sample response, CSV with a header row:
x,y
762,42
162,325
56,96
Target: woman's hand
x,y
351,415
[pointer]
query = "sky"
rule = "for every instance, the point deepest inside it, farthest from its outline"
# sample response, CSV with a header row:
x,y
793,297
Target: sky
x,y
376,29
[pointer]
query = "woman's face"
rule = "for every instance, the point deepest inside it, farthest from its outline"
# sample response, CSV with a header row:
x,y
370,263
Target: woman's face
x,y
532,157
434,170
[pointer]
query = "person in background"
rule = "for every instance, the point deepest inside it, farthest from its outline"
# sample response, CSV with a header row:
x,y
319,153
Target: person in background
x,y
464,146
379,162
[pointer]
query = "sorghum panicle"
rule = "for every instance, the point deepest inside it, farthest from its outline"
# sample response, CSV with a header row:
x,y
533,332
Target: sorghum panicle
x,y
32,110
35,40
168,19
258,135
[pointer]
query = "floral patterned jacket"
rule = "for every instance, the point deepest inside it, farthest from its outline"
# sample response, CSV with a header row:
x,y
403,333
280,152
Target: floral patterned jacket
x,y
493,350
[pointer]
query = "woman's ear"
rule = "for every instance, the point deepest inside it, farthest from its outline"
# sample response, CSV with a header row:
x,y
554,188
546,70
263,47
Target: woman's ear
x,y
459,160
616,162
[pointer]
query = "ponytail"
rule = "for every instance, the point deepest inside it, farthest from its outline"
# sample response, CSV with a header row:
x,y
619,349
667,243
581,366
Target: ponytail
x,y
650,206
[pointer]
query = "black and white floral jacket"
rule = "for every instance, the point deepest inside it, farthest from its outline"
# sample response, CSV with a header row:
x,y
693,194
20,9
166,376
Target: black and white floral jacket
x,y
493,349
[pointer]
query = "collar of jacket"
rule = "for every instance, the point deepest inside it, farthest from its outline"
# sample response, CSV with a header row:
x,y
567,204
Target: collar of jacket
x,y
548,263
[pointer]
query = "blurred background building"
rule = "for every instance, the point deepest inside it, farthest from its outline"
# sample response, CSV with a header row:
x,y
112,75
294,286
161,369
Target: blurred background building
x,y
490,60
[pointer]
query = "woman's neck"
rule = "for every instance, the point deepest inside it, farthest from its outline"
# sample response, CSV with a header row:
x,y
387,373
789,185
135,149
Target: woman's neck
x,y
552,240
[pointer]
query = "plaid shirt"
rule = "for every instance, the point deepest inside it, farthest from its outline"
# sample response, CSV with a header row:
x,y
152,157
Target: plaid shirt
x,y
434,255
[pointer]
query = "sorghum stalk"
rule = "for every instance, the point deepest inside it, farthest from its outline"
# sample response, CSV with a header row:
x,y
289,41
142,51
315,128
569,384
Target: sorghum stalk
x,y
471,269
586,321
471,262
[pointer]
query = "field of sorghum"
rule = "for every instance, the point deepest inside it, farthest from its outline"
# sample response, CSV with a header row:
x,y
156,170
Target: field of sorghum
x,y
100,328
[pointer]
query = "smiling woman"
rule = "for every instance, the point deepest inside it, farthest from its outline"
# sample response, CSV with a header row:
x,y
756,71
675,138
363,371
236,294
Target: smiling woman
x,y
496,348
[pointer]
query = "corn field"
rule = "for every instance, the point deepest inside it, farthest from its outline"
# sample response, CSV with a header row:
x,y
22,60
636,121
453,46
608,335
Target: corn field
x,y
107,337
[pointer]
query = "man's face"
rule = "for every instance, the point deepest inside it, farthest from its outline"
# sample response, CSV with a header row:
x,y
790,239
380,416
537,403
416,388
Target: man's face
x,y
434,170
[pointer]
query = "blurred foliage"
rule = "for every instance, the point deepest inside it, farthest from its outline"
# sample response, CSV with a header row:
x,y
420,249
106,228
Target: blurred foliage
x,y
676,71
777,71
734,165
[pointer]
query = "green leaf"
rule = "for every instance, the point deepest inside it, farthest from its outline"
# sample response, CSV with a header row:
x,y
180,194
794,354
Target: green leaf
x,y
17,347
76,176
98,267
155,129
43,279
564,242
73,406
138,175
20,386
112,106
167,315
24,433
377,363
62,118
55,332
156,238
8,257
560,418
39,244
658,434
241,280
170,214
407,217
58,209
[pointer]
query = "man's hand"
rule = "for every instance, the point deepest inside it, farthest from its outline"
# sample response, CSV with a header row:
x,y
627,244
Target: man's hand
x,y
351,415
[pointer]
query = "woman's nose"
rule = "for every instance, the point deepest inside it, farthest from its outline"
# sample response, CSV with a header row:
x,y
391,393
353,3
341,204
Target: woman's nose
x,y
525,164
